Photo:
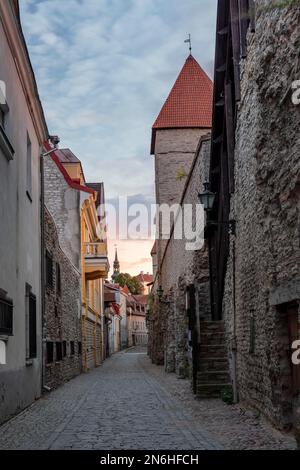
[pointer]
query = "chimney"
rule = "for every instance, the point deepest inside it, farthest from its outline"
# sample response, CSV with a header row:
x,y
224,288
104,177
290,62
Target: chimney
x,y
54,139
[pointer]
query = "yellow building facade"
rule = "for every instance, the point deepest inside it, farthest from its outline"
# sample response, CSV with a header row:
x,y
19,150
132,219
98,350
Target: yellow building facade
x,y
94,261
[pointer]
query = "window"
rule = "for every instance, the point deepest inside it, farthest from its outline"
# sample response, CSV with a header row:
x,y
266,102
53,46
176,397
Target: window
x,y
49,352
79,348
6,315
64,348
29,169
31,342
49,270
72,348
58,279
59,353
32,326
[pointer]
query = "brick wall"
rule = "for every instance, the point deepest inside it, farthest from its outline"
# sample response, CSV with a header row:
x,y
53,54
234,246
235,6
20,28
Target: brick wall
x,y
62,311
168,330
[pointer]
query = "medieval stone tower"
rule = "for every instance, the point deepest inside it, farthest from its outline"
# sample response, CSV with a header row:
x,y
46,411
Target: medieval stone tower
x,y
183,119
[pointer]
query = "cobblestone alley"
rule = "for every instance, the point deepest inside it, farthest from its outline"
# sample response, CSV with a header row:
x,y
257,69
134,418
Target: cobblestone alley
x,y
128,403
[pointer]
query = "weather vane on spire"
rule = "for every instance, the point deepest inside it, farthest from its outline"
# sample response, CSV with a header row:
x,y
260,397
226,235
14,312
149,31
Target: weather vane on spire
x,y
189,41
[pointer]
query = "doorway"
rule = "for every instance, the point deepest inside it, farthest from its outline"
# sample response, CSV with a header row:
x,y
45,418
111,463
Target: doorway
x,y
289,379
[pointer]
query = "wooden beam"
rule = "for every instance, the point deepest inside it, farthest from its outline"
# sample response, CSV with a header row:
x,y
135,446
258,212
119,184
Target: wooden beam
x,y
244,23
230,134
252,15
235,33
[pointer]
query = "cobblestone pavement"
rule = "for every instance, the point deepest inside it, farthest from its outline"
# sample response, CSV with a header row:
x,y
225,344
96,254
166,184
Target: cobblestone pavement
x,y
128,403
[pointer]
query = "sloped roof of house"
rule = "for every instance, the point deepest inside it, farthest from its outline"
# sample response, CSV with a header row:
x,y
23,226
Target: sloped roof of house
x,y
73,184
189,104
142,277
67,156
126,290
141,299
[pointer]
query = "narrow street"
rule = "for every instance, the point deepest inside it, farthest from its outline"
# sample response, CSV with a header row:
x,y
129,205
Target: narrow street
x,y
128,403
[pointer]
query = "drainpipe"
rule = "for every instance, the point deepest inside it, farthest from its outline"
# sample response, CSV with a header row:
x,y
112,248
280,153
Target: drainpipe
x,y
84,293
43,332
233,343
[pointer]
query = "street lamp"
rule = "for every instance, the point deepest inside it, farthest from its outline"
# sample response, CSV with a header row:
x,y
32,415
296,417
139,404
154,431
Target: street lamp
x,y
207,198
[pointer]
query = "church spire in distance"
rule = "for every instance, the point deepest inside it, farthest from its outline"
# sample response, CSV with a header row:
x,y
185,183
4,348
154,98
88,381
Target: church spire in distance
x,y
116,266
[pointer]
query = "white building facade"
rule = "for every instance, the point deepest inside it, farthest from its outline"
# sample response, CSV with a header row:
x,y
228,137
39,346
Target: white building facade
x,y
22,133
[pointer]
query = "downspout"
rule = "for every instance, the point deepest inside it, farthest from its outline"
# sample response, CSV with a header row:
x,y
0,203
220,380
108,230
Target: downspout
x,y
234,344
42,209
96,325
84,294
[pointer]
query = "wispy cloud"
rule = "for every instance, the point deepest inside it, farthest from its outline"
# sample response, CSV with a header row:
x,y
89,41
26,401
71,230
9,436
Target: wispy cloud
x,y
104,69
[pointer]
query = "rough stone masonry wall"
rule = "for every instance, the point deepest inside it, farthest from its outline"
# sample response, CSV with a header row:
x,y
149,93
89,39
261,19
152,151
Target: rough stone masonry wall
x,y
62,310
174,153
182,267
266,206
63,203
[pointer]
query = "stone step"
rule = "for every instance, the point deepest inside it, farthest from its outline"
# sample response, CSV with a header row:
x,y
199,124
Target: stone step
x,y
216,326
212,324
212,350
210,390
213,363
214,377
212,338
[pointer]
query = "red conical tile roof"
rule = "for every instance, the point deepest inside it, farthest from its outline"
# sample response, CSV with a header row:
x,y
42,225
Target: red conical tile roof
x,y
189,104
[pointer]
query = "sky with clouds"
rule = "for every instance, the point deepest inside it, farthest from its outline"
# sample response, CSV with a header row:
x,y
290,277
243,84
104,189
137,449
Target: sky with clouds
x,y
104,69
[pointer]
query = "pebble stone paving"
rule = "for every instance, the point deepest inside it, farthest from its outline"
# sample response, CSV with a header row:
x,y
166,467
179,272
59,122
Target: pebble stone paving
x,y
129,403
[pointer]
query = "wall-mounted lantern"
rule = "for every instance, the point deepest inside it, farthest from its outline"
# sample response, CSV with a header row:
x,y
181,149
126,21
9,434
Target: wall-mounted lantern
x,y
207,198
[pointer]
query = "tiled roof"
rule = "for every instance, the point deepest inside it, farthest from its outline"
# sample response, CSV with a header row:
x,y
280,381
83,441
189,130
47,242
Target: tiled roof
x,y
145,277
142,299
64,172
126,290
189,104
67,156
